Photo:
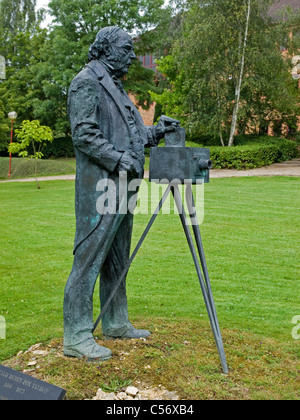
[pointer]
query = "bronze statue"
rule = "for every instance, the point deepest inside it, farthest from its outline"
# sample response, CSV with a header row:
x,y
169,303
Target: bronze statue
x,y
109,138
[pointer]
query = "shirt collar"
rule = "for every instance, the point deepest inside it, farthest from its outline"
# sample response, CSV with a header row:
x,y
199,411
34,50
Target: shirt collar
x,y
100,67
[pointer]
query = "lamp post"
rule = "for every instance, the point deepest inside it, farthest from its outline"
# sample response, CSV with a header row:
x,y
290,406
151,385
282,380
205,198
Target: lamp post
x,y
12,116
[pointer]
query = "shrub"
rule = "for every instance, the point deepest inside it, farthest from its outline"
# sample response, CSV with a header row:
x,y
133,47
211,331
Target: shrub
x,y
60,148
253,155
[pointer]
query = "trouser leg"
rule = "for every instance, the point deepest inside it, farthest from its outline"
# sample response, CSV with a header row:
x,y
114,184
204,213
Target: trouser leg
x,y
78,302
115,320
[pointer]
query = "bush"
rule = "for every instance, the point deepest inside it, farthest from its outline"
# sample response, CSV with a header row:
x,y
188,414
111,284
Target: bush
x,y
253,155
59,148
250,152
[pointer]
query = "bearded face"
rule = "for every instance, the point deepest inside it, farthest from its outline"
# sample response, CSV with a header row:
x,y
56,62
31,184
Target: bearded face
x,y
115,49
121,54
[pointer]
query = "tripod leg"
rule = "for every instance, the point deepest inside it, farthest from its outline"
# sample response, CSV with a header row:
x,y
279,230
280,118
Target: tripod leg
x,y
119,281
209,305
197,234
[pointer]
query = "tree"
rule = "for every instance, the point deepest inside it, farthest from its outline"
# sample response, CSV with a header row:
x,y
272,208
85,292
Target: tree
x,y
241,52
4,127
20,42
15,16
42,63
226,70
31,135
75,25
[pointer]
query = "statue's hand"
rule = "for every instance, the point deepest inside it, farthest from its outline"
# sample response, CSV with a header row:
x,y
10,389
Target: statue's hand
x,y
165,125
128,163
125,163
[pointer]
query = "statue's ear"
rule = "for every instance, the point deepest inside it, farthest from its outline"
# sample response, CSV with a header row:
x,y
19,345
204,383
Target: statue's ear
x,y
94,52
106,48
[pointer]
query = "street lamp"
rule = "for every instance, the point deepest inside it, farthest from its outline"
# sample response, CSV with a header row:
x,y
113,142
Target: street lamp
x,y
12,116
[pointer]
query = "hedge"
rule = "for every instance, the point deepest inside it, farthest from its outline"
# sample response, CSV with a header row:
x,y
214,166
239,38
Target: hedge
x,y
253,155
250,151
59,148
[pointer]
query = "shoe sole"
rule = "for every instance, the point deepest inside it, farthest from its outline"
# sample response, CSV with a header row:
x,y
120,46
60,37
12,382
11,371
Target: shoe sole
x,y
74,353
107,337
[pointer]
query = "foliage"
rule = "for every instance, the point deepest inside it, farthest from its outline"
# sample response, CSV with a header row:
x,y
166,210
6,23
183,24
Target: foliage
x,y
289,19
252,156
4,127
20,42
204,67
31,134
65,52
22,87
19,45
16,16
201,71
140,81
42,63
59,148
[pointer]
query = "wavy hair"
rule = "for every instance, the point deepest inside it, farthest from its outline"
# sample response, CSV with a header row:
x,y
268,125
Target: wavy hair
x,y
105,36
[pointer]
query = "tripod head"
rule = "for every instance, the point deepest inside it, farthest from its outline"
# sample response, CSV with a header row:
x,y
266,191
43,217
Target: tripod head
x,y
177,163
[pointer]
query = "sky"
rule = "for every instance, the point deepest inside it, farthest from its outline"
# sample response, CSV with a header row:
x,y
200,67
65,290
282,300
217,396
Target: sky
x,y
44,3
39,5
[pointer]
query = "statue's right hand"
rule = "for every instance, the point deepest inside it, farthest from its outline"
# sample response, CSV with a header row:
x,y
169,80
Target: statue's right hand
x,y
127,163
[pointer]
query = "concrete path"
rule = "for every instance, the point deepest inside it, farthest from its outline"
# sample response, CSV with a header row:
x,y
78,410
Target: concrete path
x,y
290,168
43,178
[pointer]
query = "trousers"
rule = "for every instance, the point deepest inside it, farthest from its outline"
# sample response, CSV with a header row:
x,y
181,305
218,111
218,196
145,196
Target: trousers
x,y
106,252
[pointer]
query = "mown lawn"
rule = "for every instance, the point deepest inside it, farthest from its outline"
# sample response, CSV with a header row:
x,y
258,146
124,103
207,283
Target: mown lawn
x,y
25,168
251,238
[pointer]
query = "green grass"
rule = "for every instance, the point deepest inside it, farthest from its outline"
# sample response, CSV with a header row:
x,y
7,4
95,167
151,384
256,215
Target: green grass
x,y
251,239
22,168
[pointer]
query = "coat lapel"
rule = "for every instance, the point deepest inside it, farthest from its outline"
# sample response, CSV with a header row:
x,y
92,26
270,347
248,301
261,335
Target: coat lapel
x,y
114,92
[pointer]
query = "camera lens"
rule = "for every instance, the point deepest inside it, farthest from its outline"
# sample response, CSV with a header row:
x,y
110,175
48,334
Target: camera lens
x,y
205,164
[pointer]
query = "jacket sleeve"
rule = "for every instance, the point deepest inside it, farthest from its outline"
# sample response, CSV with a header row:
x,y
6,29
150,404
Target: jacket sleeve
x,y
84,108
152,139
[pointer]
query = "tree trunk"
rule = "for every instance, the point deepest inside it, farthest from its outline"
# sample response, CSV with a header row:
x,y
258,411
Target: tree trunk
x,y
239,83
219,117
35,173
35,166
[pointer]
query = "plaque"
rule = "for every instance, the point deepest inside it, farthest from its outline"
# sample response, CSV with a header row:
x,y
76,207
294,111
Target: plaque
x,y
16,386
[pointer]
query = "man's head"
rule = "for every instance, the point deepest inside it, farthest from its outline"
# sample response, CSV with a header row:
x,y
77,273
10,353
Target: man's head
x,y
114,47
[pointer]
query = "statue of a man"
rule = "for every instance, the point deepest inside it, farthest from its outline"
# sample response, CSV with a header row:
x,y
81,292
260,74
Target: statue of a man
x,y
109,137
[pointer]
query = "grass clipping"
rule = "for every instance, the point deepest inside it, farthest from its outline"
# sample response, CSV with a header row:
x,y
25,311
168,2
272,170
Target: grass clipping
x,y
180,356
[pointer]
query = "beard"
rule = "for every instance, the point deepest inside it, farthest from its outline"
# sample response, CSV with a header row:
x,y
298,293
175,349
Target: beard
x,y
119,63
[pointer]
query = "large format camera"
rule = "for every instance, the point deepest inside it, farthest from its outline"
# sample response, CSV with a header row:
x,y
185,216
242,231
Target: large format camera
x,y
177,162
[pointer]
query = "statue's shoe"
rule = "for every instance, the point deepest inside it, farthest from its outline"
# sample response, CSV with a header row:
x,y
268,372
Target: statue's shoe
x,y
131,333
88,349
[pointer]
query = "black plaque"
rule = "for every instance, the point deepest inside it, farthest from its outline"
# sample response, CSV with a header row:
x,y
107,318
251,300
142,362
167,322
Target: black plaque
x,y
16,386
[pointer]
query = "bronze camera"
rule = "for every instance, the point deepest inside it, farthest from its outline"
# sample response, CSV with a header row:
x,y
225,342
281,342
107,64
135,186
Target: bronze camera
x,y
177,163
